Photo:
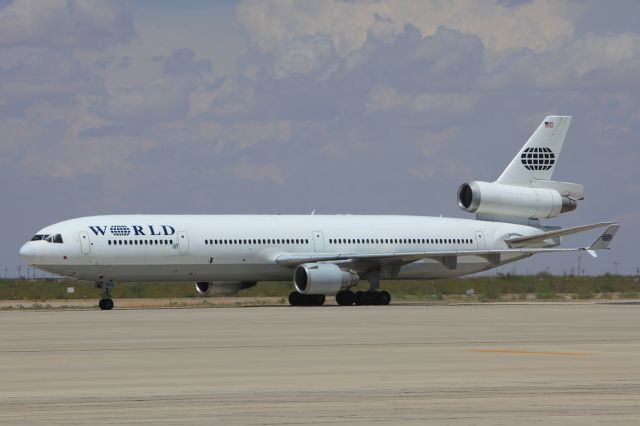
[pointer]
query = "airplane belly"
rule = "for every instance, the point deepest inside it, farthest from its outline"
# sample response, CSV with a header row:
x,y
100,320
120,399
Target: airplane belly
x,y
173,272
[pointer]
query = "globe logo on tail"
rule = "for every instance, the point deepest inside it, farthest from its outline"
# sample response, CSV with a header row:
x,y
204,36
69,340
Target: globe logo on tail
x,y
539,158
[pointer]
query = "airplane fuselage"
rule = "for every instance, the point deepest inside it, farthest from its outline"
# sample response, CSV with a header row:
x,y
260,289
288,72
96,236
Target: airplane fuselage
x,y
170,248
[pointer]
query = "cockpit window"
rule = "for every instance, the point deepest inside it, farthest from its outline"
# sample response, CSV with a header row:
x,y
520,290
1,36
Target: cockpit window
x,y
50,238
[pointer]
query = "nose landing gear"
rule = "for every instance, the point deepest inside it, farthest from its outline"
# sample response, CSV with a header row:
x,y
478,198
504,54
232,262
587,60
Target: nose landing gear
x,y
106,302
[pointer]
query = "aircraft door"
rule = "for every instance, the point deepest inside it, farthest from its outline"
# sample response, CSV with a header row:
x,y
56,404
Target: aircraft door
x,y
183,242
85,243
481,244
318,241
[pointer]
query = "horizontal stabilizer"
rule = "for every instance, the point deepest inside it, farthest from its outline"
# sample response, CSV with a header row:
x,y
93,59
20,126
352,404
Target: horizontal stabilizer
x,y
603,241
532,239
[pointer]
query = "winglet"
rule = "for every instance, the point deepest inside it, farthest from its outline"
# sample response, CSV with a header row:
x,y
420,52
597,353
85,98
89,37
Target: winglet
x,y
603,241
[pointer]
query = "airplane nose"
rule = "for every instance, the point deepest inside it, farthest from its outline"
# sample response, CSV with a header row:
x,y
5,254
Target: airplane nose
x,y
28,253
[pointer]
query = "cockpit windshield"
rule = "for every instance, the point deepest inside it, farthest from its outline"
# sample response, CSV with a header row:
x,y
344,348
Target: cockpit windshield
x,y
50,238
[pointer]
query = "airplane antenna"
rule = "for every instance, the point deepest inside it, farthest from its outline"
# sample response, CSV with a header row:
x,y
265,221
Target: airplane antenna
x,y
313,212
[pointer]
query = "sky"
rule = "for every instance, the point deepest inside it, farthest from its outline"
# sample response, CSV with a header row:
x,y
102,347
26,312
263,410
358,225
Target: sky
x,y
376,107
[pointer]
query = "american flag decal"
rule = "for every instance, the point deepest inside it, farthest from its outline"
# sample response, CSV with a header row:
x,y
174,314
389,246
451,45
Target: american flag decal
x,y
548,124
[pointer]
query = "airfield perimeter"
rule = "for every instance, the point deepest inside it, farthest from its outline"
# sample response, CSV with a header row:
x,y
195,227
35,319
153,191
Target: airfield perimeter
x,y
486,364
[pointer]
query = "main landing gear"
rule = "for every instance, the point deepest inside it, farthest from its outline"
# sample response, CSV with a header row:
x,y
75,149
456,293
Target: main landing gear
x,y
299,299
347,297
106,303
363,298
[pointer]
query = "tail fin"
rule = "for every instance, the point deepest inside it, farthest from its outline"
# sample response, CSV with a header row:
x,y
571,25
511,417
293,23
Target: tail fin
x,y
538,157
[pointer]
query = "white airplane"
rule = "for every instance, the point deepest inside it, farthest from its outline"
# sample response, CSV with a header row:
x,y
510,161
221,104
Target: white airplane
x,y
327,255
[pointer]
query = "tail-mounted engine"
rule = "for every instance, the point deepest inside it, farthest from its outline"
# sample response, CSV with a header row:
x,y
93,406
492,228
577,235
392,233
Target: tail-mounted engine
x,y
495,200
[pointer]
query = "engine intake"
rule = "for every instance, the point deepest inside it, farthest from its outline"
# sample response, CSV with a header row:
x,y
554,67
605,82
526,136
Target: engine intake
x,y
495,199
322,278
222,288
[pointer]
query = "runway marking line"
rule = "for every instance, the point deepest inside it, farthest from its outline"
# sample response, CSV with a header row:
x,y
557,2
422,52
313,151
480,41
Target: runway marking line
x,y
522,352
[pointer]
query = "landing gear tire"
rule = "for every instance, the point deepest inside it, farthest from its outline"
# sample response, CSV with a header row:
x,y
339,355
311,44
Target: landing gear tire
x,y
299,299
367,298
383,298
293,298
106,304
345,298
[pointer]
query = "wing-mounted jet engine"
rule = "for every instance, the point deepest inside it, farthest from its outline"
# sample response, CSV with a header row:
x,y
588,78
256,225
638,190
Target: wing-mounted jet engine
x,y
222,288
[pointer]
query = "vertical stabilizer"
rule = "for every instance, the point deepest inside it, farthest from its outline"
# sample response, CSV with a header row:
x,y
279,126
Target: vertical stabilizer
x,y
539,156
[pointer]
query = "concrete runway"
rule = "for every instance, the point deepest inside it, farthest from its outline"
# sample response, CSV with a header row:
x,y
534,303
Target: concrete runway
x,y
568,364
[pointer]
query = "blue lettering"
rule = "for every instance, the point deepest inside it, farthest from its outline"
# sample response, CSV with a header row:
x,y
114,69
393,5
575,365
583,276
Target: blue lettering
x,y
138,230
153,231
98,230
166,229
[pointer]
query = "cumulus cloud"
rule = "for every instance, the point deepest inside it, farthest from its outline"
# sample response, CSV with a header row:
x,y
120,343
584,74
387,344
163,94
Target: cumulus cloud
x,y
156,101
588,61
165,98
308,80
539,25
444,104
65,23
183,61
257,172
48,74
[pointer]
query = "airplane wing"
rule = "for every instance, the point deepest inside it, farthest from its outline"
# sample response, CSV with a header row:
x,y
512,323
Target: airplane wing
x,y
448,258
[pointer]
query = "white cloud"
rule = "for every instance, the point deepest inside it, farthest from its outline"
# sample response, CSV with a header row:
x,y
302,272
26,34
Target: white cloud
x,y
257,172
46,74
446,104
539,25
70,23
589,61
169,97
157,101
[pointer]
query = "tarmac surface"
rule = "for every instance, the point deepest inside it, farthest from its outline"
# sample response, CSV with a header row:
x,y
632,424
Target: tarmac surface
x,y
481,364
